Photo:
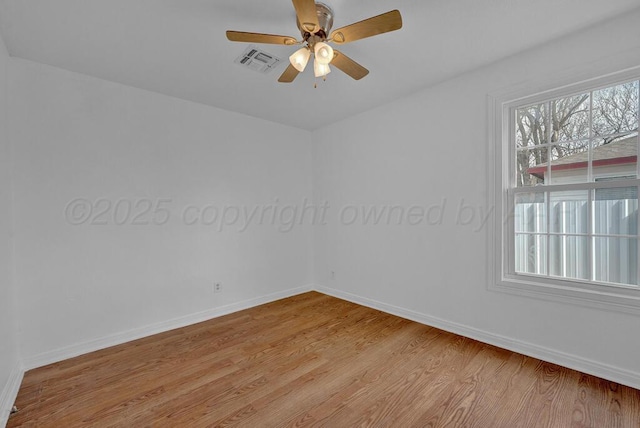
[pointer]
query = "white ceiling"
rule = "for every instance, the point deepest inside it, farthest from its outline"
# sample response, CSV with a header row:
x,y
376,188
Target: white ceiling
x,y
179,48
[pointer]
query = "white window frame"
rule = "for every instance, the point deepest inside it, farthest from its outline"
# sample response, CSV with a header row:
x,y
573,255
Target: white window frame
x,y
501,233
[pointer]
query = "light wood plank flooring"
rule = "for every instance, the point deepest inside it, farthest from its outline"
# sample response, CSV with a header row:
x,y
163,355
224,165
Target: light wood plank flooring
x,y
313,360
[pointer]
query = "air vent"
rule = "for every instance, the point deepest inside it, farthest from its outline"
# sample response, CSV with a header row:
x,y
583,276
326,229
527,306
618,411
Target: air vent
x,y
258,60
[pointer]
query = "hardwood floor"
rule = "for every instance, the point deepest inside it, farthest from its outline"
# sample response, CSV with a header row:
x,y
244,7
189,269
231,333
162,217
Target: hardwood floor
x,y
313,360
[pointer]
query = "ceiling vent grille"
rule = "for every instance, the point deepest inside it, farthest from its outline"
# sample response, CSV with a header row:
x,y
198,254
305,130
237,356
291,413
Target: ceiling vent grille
x,y
258,60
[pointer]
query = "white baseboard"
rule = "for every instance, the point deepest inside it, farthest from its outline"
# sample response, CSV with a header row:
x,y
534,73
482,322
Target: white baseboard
x,y
9,393
67,352
574,362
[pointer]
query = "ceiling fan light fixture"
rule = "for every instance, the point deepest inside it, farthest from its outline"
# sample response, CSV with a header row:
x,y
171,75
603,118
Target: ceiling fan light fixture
x,y
323,52
300,58
319,69
315,22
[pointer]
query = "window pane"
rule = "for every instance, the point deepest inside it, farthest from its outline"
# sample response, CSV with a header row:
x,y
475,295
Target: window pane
x,y
531,167
569,162
530,213
615,211
570,118
569,256
615,109
615,158
531,254
531,125
616,260
569,212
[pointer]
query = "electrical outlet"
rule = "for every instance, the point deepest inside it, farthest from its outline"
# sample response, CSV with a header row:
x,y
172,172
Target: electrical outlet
x,y
333,275
217,287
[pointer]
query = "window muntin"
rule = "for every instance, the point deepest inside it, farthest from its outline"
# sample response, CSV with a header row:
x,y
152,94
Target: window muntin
x,y
574,187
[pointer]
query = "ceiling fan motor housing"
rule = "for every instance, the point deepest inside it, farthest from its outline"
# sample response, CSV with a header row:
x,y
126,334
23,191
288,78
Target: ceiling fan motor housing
x,y
325,19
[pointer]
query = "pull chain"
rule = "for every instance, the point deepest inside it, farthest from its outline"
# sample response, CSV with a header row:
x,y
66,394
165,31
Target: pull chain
x,y
315,84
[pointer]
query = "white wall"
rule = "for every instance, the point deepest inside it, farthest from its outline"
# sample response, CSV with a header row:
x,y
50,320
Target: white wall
x,y
8,344
80,137
429,148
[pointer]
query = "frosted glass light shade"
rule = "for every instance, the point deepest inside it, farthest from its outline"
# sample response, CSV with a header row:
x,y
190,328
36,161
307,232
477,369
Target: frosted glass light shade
x,y
300,58
324,53
320,69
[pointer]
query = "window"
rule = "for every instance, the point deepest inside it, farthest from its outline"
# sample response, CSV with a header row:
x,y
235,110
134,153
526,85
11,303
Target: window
x,y
568,189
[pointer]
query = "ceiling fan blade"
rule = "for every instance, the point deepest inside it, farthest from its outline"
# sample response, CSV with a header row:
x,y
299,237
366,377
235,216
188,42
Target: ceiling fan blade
x,y
289,75
384,23
348,66
241,36
307,15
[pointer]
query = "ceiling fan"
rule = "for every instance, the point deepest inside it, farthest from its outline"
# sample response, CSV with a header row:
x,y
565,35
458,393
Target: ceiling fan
x,y
315,21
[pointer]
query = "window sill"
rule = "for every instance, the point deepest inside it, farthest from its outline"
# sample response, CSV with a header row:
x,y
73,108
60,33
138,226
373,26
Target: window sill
x,y
607,297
